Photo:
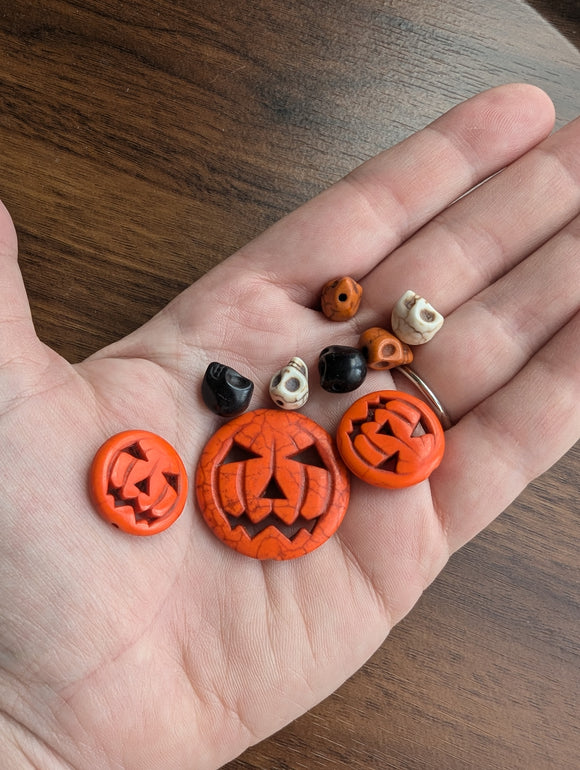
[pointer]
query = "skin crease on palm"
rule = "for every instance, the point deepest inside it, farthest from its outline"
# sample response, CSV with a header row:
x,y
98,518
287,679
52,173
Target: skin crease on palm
x,y
176,652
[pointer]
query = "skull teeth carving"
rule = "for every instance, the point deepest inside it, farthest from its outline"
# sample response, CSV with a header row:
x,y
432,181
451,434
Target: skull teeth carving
x,y
414,320
289,386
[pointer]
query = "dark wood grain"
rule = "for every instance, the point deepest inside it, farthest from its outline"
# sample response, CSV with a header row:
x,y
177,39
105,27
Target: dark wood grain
x,y
143,142
563,14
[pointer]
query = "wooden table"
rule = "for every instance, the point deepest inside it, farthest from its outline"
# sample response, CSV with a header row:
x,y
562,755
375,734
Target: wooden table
x,y
142,142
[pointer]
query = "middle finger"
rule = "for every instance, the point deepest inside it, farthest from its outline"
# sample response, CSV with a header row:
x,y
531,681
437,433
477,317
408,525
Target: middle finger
x,y
487,232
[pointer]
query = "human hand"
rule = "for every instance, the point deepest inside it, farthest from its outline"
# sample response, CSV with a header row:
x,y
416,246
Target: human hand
x,y
176,652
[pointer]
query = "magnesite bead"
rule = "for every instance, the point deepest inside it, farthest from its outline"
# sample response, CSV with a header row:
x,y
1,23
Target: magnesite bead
x,y
138,482
341,298
289,386
390,439
414,320
225,391
341,368
383,350
271,485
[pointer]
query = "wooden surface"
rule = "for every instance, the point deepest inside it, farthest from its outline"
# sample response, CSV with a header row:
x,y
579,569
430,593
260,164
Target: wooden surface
x,y
142,142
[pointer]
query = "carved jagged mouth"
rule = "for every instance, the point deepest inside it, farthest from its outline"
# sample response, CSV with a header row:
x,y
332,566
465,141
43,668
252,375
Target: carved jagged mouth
x,y
119,501
288,530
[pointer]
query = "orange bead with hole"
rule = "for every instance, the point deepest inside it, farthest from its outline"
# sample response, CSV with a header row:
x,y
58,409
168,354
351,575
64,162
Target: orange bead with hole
x,y
271,485
390,439
340,299
383,350
138,482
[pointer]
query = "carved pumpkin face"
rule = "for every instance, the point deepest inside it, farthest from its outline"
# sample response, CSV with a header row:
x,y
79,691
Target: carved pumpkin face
x,y
271,485
138,482
390,439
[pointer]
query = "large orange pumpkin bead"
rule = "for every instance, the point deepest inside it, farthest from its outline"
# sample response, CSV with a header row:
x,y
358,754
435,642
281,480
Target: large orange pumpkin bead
x,y
271,485
383,350
390,439
341,298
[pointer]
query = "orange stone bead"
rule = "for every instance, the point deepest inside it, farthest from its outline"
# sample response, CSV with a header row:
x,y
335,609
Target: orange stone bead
x,y
341,298
390,439
383,350
271,485
138,482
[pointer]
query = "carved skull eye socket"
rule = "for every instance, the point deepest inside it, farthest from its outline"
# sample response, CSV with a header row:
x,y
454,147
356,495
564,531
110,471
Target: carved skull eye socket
x,y
292,384
427,315
276,381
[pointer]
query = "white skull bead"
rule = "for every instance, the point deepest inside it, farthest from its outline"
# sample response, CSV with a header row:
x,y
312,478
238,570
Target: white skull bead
x,y
289,387
414,320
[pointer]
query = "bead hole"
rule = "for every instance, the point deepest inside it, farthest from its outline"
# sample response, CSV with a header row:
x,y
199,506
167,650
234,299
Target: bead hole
x,y
342,297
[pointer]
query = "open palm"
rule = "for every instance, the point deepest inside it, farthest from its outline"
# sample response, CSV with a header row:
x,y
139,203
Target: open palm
x,y
176,652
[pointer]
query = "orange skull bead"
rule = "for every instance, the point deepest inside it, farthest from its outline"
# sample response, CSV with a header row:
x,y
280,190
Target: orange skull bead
x,y
341,298
383,350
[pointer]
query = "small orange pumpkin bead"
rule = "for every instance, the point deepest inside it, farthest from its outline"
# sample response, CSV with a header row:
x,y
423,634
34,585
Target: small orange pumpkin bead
x,y
341,298
138,482
378,442
383,350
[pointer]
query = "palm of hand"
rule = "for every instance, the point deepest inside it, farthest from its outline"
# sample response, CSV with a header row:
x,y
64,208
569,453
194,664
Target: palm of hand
x,y
171,651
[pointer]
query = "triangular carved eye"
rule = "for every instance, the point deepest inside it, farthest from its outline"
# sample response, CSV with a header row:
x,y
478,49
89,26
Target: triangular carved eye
x,y
385,430
309,456
135,451
239,454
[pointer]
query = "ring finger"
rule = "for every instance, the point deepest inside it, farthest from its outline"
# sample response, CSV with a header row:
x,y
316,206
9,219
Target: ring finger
x,y
488,339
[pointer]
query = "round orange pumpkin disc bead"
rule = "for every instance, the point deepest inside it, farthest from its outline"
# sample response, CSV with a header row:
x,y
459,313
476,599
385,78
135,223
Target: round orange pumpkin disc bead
x,y
390,439
138,482
271,485
341,298
383,350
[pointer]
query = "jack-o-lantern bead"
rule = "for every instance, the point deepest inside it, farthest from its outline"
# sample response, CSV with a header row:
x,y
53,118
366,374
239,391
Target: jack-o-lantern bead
x,y
383,350
138,482
414,320
341,298
289,386
271,484
390,439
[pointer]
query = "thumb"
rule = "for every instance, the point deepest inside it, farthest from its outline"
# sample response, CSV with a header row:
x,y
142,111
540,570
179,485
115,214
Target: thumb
x,y
18,340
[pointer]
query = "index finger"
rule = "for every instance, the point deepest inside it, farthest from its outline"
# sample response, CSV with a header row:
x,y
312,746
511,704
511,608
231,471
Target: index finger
x,y
352,226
